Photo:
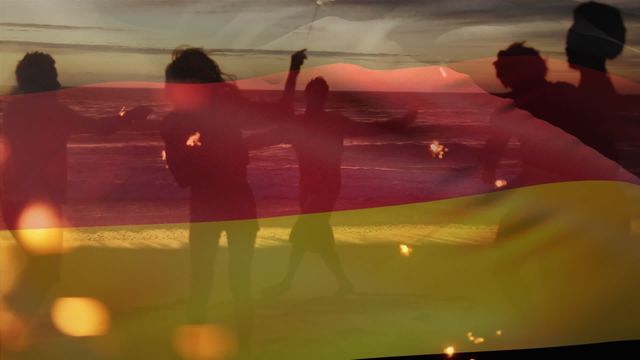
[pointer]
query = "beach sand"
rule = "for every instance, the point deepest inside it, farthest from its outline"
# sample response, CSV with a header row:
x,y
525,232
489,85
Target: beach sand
x,y
531,292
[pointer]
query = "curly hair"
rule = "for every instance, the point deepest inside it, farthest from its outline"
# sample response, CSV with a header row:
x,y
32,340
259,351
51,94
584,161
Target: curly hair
x,y
36,72
193,65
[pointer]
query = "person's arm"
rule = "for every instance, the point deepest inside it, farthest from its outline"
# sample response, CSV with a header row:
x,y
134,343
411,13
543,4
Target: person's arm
x,y
297,60
107,124
254,114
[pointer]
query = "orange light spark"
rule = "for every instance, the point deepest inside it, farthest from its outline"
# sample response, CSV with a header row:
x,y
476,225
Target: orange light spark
x,y
437,150
39,229
163,155
478,340
405,250
123,110
194,139
449,351
500,183
79,317
498,332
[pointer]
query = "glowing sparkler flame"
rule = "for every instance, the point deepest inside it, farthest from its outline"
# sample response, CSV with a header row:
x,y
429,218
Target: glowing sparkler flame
x,y
123,110
405,250
449,351
470,336
76,316
39,229
478,340
163,155
437,150
498,332
500,183
194,139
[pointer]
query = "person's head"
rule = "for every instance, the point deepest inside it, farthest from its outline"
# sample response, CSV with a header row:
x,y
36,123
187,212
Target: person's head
x,y
189,68
597,34
36,72
520,66
316,93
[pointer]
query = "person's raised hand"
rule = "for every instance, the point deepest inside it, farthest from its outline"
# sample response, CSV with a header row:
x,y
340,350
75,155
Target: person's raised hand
x,y
298,58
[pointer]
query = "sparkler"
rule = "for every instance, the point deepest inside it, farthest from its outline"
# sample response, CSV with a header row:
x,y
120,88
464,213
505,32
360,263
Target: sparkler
x,y
194,140
437,150
500,183
449,351
405,250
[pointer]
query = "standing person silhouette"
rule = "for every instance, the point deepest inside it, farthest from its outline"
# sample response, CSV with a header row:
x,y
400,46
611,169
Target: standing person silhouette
x,y
206,153
317,136
522,70
590,112
598,35
37,128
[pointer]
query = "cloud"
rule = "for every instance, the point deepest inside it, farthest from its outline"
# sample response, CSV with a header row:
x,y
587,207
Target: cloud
x,y
57,27
337,34
32,45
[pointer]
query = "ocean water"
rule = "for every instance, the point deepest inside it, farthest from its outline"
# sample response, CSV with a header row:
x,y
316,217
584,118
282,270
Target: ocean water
x,y
126,170
122,178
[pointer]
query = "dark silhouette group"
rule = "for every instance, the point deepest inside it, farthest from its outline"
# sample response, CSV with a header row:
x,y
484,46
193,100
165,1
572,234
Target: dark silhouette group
x,y
207,152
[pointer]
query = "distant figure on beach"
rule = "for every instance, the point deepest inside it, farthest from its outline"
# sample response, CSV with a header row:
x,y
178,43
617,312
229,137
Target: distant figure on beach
x,y
36,129
317,136
206,153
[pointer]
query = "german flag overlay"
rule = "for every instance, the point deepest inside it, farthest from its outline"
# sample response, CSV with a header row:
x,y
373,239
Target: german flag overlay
x,y
337,210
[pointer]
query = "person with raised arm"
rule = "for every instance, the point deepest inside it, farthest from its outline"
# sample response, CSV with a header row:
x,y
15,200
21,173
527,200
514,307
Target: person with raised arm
x,y
206,153
317,136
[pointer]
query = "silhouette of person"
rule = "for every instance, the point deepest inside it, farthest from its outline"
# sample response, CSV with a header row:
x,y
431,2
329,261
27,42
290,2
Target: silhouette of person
x,y
588,114
598,34
37,129
317,136
522,70
207,154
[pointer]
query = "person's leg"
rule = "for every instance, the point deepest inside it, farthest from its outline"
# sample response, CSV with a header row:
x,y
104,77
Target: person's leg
x,y
242,238
203,246
327,250
295,259
331,259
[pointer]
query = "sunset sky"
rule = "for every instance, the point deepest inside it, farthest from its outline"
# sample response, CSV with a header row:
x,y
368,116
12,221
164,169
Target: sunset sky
x,y
130,40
